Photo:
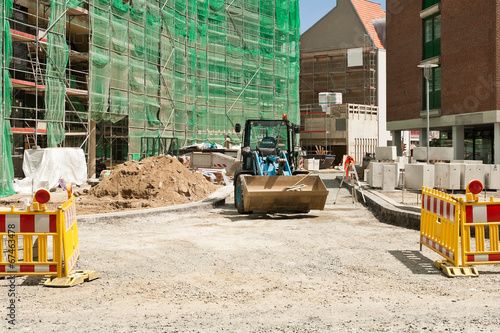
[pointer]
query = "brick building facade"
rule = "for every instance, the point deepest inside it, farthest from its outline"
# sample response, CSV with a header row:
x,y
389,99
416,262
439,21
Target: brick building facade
x,y
462,39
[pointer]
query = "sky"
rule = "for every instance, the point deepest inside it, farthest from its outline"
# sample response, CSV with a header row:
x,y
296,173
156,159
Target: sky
x,y
312,10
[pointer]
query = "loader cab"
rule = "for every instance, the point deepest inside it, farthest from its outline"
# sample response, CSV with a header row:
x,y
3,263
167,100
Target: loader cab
x,y
267,137
266,134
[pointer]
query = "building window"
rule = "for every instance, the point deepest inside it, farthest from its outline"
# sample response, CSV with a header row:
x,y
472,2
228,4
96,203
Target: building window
x,y
434,90
432,36
430,3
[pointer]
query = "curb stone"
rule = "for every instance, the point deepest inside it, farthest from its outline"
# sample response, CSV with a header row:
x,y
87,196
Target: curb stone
x,y
216,199
388,211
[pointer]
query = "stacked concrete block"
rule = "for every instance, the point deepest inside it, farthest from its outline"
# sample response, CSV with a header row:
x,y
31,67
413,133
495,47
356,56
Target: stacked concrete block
x,y
492,177
376,174
389,177
435,153
386,153
447,175
471,172
418,175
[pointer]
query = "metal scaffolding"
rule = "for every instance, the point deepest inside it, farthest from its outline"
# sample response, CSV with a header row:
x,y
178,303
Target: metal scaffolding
x,y
330,71
102,75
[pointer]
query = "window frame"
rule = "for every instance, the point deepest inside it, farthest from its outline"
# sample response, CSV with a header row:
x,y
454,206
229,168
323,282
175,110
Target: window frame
x,y
434,94
431,48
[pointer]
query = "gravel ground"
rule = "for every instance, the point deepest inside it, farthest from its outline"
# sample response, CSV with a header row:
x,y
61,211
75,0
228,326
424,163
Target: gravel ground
x,y
337,270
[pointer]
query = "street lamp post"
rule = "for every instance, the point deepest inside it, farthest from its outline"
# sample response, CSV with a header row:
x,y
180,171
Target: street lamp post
x,y
427,74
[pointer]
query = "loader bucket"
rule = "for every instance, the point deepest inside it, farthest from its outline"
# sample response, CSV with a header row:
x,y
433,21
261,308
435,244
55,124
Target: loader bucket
x,y
299,193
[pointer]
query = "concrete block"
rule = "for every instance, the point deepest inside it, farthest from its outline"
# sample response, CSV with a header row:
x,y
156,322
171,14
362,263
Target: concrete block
x,y
471,172
386,153
492,177
390,177
435,153
447,175
418,175
310,164
376,174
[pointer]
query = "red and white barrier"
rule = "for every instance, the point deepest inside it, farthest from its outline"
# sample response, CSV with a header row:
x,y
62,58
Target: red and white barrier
x,y
444,251
439,207
28,268
482,213
32,223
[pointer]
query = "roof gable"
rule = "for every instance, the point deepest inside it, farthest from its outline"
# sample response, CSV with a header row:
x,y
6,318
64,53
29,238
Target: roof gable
x,y
367,12
339,29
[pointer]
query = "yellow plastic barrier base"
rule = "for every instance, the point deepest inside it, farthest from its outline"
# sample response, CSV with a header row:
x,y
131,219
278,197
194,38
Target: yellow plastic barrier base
x,y
451,271
74,278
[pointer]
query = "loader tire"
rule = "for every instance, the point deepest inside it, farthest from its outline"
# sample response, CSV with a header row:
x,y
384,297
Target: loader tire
x,y
238,196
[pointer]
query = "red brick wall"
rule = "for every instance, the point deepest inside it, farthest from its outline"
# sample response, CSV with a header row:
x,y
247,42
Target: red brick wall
x,y
468,56
404,52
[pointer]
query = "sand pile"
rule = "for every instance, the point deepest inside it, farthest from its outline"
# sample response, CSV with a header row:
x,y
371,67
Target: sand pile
x,y
158,177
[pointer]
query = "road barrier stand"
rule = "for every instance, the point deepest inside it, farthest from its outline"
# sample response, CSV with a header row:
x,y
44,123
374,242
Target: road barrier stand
x,y
439,224
472,240
41,242
481,219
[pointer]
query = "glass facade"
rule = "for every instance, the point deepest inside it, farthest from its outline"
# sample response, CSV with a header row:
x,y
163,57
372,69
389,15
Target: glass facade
x,y
478,143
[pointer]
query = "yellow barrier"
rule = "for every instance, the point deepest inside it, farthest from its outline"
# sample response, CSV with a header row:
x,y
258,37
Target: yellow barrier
x,y
440,224
70,235
27,229
480,216
56,236
458,230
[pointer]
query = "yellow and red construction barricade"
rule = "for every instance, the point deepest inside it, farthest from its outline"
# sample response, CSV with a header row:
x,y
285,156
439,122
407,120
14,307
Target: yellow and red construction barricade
x,y
440,224
480,219
41,242
464,232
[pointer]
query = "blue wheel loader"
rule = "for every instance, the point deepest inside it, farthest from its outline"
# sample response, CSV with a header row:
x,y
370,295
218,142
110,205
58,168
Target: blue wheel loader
x,y
269,180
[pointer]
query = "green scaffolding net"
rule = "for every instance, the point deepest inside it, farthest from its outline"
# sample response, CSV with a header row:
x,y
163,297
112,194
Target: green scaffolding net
x,y
191,69
57,59
6,167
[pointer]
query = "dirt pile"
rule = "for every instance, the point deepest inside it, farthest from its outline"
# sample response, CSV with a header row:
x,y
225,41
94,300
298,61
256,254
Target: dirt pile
x,y
158,177
156,181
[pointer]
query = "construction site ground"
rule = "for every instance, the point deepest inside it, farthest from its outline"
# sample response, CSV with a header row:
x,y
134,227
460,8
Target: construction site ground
x,y
337,270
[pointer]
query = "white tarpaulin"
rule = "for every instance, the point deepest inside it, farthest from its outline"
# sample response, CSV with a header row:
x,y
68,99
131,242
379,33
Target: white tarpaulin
x,y
44,167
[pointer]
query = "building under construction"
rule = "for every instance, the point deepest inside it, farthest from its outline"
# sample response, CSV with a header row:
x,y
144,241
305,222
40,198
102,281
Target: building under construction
x,y
104,74
344,54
